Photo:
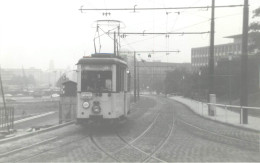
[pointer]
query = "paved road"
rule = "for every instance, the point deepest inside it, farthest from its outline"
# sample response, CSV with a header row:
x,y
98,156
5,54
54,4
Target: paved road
x,y
158,130
222,143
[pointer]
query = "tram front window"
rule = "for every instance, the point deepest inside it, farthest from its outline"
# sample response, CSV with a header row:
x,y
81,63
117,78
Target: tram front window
x,y
96,81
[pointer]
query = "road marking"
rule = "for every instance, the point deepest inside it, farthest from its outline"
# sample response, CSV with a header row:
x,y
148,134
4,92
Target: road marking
x,y
34,117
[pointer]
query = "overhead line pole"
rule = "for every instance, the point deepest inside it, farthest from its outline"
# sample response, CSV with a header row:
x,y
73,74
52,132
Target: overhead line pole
x,y
134,76
5,121
211,63
244,64
136,73
156,8
138,82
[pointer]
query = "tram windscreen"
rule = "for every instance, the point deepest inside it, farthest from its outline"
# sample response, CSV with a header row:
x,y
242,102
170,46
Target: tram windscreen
x,y
96,81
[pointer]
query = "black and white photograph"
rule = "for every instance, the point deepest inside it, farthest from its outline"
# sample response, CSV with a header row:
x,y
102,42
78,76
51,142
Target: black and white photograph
x,y
129,81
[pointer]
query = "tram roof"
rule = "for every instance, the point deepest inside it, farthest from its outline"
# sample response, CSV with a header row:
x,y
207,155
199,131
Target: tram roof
x,y
99,60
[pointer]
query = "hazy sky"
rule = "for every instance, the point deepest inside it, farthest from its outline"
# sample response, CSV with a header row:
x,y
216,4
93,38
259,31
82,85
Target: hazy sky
x,y
33,32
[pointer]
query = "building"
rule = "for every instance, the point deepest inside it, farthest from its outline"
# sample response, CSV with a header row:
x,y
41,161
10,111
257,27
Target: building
x,y
200,55
14,79
153,74
150,73
32,78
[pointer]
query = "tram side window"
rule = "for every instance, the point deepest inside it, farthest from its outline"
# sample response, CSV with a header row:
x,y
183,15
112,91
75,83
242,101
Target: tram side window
x,y
120,79
96,81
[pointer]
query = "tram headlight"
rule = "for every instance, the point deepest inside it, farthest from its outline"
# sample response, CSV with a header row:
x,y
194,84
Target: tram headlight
x,y
96,109
85,105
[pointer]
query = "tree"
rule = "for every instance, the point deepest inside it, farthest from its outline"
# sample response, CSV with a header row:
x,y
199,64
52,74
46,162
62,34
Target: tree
x,y
254,30
61,80
175,81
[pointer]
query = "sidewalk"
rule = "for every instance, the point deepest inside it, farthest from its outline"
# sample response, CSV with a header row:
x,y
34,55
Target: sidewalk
x,y
223,115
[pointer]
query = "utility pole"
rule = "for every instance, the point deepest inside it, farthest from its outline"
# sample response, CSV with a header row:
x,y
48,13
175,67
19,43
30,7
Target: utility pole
x,y
134,76
211,63
115,48
244,59
138,81
5,109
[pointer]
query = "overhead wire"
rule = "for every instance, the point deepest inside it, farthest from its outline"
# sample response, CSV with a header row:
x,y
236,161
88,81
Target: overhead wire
x,y
153,26
162,35
132,43
168,8
181,12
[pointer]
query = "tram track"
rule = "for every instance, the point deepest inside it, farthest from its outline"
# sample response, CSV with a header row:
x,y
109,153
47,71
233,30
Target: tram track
x,y
149,155
38,150
149,145
129,145
215,131
221,138
188,116
102,149
43,143
27,147
56,149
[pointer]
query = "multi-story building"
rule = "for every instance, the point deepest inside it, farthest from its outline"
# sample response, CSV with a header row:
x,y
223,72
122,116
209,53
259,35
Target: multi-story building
x,y
200,55
33,78
151,73
14,79
8,74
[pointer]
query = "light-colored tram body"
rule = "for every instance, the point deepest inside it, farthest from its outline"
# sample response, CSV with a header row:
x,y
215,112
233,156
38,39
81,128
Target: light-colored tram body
x,y
102,90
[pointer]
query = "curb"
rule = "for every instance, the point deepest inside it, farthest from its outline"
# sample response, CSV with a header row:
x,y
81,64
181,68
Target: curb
x,y
36,132
218,121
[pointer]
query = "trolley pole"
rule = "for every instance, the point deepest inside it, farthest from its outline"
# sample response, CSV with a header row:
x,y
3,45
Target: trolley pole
x,y
134,76
244,59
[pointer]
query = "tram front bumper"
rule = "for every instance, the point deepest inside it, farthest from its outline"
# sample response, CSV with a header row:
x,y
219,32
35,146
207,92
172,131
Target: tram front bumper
x,y
96,117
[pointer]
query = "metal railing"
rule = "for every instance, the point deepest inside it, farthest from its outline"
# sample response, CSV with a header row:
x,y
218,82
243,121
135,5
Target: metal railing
x,y
6,119
203,109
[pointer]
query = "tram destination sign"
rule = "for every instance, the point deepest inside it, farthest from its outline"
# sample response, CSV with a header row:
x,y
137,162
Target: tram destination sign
x,y
96,67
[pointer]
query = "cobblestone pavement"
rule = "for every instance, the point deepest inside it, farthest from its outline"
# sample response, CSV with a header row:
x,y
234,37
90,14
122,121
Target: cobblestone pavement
x,y
187,115
193,144
72,143
147,129
132,130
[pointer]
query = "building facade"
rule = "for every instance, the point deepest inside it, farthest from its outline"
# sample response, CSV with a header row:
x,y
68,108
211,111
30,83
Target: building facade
x,y
200,55
151,74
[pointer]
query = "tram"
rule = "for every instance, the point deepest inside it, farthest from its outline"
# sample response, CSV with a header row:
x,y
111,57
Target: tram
x,y
102,89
